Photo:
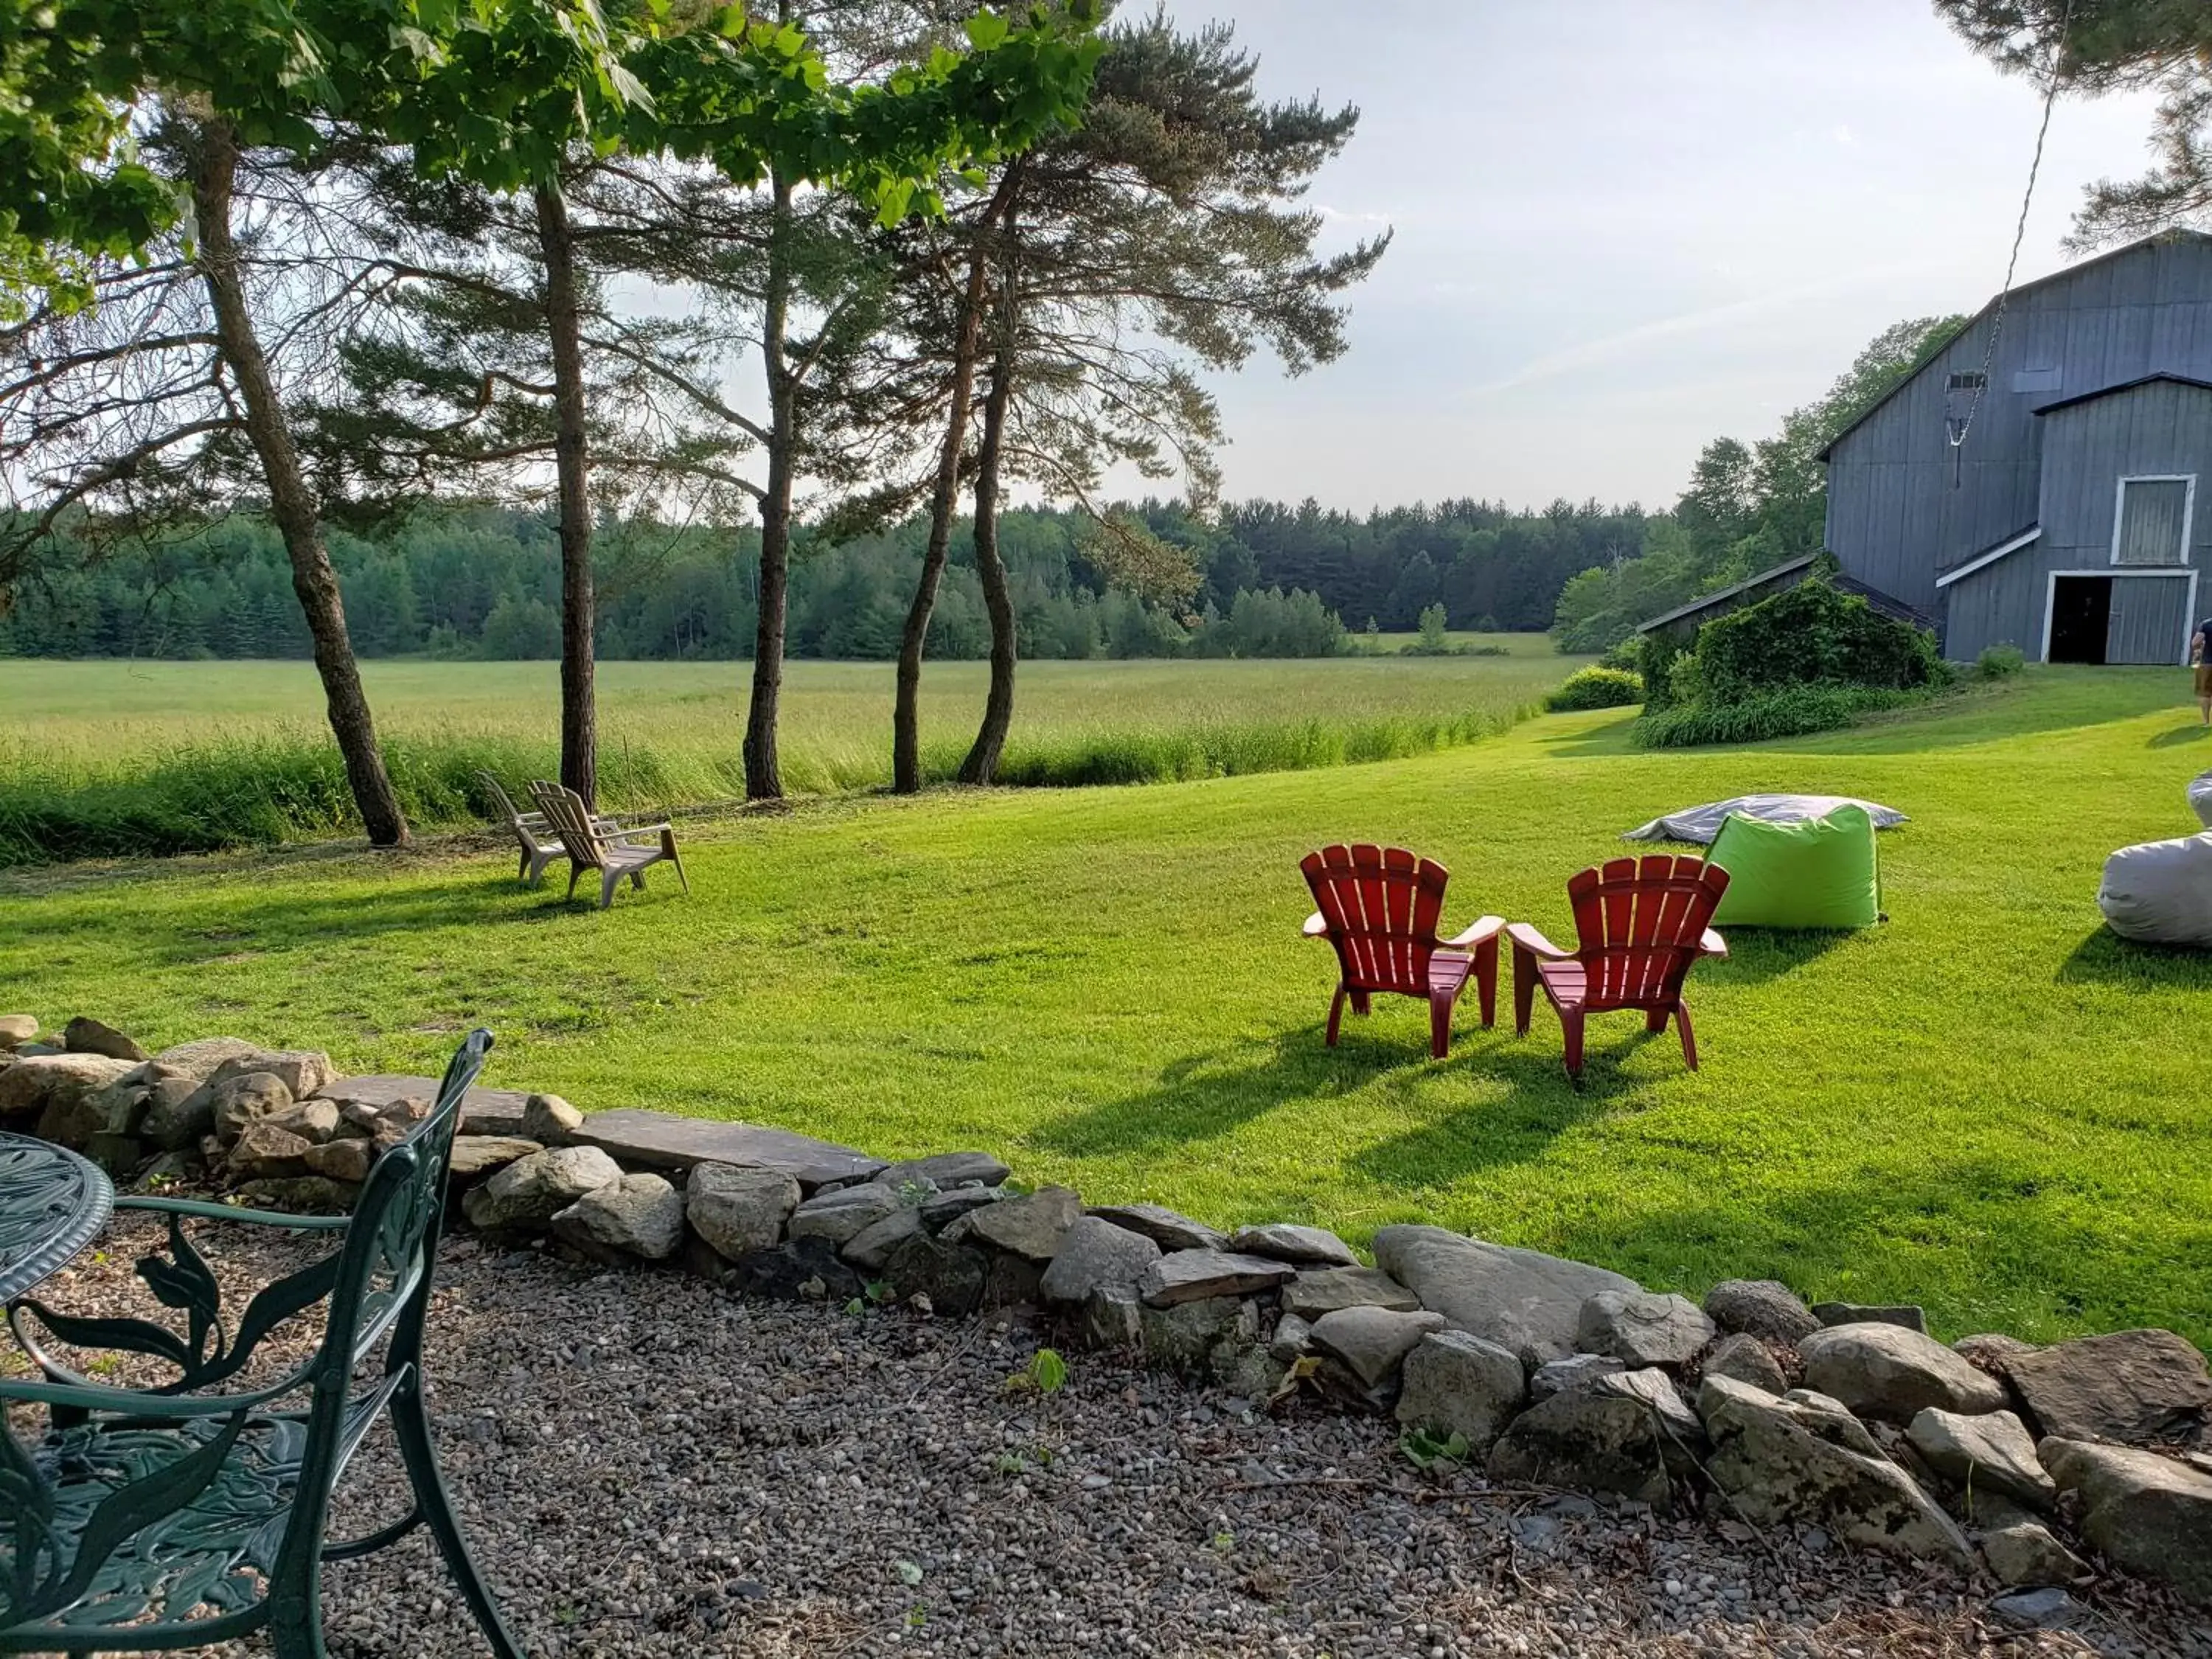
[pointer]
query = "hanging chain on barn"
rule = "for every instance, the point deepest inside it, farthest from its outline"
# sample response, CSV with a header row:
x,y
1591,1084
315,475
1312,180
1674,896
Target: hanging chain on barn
x,y
1959,426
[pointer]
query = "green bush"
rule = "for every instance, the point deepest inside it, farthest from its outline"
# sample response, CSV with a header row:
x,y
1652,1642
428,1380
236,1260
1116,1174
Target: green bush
x,y
1786,714
1595,688
1997,662
1813,633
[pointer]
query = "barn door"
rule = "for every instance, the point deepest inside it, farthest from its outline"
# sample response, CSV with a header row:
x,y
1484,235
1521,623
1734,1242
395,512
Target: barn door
x,y
2080,618
2149,621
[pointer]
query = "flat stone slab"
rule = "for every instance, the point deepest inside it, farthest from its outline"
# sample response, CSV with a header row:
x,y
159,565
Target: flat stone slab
x,y
483,1111
662,1142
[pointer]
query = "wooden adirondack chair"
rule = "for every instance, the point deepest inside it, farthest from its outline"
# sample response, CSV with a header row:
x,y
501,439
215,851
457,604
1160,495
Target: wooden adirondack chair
x,y
1379,908
591,844
1639,924
529,829
194,1512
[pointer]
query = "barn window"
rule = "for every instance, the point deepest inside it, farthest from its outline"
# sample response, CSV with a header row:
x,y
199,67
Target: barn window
x,y
2153,521
1973,381
2039,379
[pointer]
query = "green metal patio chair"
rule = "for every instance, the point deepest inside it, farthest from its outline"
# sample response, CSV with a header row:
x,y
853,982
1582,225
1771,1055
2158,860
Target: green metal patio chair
x,y
180,1515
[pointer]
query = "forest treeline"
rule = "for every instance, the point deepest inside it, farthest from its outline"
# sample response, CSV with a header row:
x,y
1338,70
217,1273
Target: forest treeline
x,y
484,581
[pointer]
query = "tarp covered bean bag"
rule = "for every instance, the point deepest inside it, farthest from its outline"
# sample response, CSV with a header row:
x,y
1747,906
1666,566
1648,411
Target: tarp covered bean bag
x,y
2161,892
1702,824
1817,872
2200,798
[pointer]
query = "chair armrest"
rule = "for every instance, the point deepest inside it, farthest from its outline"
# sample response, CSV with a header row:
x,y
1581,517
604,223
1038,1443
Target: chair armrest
x,y
1526,938
640,829
1712,945
126,1402
207,1212
1316,926
1481,933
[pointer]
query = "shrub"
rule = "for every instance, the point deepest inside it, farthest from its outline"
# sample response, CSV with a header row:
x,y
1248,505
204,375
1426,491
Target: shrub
x,y
1787,713
1813,633
1595,688
1998,661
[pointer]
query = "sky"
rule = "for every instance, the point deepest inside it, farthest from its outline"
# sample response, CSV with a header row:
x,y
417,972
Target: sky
x,y
1622,229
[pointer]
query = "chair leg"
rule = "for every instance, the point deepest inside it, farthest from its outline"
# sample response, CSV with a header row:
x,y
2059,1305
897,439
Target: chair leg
x,y
668,848
410,1424
574,870
1440,1018
1336,1014
295,1623
537,863
1361,1002
523,871
1524,989
637,879
1486,981
609,880
1654,1019
1689,1038
1571,1026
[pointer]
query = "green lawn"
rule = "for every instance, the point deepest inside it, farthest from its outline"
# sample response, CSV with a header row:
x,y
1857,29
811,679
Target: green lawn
x,y
1987,1105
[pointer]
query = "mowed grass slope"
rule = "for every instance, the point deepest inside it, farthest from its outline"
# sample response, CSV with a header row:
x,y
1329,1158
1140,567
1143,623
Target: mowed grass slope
x,y
1987,1105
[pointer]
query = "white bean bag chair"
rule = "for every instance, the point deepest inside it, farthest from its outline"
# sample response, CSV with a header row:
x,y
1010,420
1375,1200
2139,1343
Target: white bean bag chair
x,y
2161,892
1701,824
2200,798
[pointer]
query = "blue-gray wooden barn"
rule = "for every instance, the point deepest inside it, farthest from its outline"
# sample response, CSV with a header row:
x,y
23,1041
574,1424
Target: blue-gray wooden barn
x,y
2067,522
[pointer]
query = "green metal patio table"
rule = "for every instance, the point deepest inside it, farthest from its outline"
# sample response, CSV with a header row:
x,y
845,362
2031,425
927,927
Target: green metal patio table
x,y
52,1204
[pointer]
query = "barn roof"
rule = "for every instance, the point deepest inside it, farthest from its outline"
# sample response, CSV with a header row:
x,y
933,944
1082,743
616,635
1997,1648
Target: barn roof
x,y
2125,386
1895,609
2064,274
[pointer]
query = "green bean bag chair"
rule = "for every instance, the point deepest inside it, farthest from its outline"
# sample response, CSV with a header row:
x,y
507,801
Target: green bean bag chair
x,y
1821,872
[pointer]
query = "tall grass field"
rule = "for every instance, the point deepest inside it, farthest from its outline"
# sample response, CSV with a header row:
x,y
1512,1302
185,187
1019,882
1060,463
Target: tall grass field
x,y
124,759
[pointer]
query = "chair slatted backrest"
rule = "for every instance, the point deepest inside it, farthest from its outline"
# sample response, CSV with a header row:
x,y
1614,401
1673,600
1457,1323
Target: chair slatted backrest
x,y
1381,905
1637,923
564,810
499,799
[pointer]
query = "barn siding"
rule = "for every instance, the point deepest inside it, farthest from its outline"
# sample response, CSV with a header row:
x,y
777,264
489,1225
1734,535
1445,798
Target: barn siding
x,y
2149,429
1897,513
2150,619
2000,604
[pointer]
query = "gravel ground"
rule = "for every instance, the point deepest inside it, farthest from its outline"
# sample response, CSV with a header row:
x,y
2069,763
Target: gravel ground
x,y
648,1466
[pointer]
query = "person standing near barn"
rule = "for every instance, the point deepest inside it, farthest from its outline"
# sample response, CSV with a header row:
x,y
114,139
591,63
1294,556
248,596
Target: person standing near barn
x,y
2200,659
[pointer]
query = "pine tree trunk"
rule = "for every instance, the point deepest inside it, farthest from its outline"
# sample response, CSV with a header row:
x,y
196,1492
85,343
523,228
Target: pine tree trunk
x,y
580,758
982,762
292,502
944,502
762,779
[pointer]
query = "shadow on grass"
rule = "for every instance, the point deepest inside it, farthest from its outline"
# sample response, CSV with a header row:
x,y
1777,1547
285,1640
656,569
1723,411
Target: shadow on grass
x,y
1757,954
2105,958
2181,736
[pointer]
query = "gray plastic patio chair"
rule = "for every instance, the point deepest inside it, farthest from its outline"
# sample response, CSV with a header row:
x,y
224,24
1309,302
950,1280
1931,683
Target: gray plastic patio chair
x,y
591,844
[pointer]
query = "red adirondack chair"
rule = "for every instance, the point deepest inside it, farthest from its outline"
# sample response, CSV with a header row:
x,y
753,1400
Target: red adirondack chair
x,y
1379,908
1640,923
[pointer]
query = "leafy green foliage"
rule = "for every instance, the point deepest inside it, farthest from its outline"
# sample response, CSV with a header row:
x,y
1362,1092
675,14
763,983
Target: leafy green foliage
x,y
1999,662
1595,687
1424,1448
1814,634
1791,713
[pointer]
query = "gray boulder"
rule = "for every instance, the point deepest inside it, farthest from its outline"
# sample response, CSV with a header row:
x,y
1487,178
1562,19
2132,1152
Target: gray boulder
x,y
1203,1275
1521,1300
1855,1313
303,1071
637,1215
199,1059
1291,1339
952,1276
1762,1308
946,1170
1094,1253
1310,1247
531,1191
1628,1434
239,1098
2049,1608
1889,1372
87,1036
1990,1452
44,1083
1371,1343
1455,1383
1577,1370
839,1217
1111,1319
1183,1336
1319,1290
739,1210
1030,1227
551,1120
266,1152
1640,1328
1746,1358
2022,1552
870,1248
311,1119
940,1210
1804,1460
1989,1350
341,1160
1166,1229
15,1030
2134,1387
473,1155
81,1093
2149,1514
178,1114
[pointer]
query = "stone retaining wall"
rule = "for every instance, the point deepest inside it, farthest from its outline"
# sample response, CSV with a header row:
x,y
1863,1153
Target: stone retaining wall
x,y
1987,1454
